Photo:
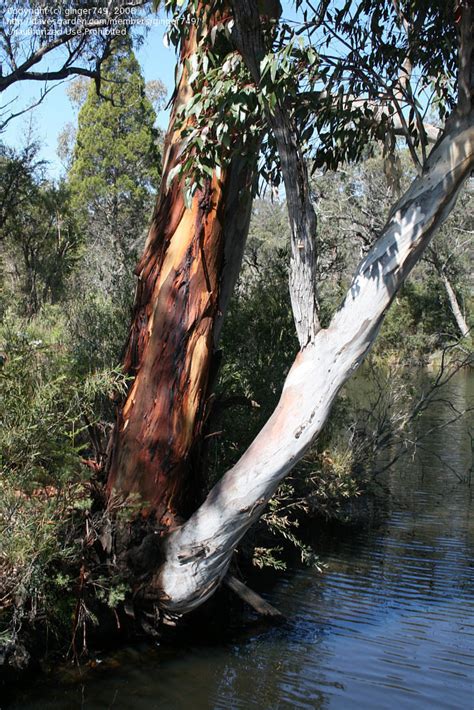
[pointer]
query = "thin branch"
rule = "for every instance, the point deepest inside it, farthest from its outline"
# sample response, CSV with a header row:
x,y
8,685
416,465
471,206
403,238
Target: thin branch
x,y
363,69
44,93
21,72
249,40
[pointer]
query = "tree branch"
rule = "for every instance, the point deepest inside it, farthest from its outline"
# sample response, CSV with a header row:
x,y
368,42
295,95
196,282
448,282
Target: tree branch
x,y
21,72
466,57
249,40
12,116
199,552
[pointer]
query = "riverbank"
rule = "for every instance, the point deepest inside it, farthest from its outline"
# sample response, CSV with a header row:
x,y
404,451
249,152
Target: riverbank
x,y
388,623
334,485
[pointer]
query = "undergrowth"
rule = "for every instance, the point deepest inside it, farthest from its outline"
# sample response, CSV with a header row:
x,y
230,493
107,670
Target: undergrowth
x,y
45,486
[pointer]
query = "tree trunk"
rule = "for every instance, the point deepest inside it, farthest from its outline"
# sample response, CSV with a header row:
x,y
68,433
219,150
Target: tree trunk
x,y
184,282
454,304
441,270
198,553
185,278
249,39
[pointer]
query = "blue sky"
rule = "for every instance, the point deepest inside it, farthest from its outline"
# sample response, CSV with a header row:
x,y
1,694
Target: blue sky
x,y
49,118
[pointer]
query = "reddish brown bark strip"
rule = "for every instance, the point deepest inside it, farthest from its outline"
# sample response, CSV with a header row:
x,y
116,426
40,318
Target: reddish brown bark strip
x,y
183,288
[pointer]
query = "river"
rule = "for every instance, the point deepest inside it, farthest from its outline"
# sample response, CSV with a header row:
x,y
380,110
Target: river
x,y
388,624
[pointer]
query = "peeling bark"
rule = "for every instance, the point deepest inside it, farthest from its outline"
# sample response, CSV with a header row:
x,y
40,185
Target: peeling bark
x,y
185,278
303,225
170,350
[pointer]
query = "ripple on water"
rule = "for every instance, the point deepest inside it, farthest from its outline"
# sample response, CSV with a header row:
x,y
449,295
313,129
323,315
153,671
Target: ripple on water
x,y
389,624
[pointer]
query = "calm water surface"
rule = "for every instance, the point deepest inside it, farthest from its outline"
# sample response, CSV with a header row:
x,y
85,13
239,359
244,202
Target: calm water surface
x,y
389,624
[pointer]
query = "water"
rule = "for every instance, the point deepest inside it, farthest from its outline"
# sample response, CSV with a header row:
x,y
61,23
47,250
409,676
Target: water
x,y
389,624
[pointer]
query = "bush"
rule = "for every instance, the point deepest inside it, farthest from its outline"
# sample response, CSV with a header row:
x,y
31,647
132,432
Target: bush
x,y
418,322
97,328
44,485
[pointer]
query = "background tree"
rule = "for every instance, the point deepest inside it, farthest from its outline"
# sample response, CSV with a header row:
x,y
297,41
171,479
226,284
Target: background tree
x,y
116,165
40,238
451,258
33,31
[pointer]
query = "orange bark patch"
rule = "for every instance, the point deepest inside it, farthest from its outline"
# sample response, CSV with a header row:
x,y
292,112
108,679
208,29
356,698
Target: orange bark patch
x,y
170,349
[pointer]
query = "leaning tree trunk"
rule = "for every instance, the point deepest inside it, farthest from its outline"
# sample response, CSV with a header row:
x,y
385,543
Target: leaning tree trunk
x,y
198,553
180,298
454,304
185,278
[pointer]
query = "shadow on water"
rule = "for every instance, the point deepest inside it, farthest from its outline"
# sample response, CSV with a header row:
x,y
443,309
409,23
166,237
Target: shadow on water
x,y
390,623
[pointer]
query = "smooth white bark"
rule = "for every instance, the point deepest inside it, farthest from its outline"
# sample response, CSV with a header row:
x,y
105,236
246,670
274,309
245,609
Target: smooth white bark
x,y
249,39
199,552
455,308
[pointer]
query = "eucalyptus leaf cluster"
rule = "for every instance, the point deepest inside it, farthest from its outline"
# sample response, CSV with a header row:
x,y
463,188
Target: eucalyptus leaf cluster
x,y
222,117
349,76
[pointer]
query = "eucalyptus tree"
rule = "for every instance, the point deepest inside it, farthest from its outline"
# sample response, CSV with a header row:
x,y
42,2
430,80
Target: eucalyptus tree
x,y
317,91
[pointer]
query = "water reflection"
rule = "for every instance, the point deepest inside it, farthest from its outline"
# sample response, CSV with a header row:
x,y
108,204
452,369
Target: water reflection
x,y
389,624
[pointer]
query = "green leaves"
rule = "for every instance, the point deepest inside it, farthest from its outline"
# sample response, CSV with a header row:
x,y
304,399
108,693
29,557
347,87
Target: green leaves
x,y
116,166
328,72
39,231
221,116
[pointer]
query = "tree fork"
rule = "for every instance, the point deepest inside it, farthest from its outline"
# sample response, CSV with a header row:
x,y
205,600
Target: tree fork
x,y
197,553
